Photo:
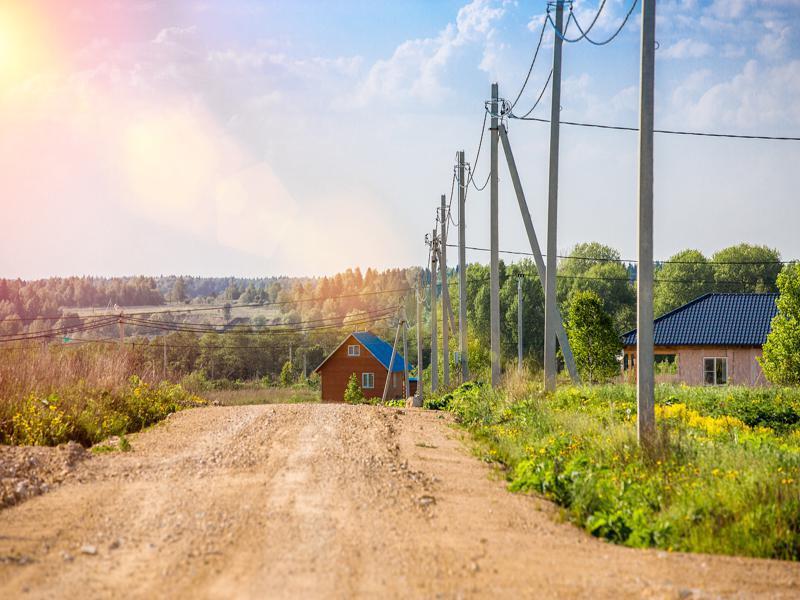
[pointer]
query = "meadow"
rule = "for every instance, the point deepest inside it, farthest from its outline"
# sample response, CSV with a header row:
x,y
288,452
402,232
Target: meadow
x,y
723,476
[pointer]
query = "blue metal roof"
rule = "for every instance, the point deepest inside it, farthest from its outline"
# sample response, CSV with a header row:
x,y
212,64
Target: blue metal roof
x,y
715,320
380,350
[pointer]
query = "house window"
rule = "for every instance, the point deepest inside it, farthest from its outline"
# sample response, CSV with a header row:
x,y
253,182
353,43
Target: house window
x,y
354,350
716,371
368,381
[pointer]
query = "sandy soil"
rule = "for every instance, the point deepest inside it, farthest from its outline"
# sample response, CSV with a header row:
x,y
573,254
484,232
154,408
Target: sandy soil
x,y
304,501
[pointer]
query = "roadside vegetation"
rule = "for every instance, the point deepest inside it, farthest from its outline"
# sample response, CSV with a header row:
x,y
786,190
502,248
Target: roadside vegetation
x,y
724,476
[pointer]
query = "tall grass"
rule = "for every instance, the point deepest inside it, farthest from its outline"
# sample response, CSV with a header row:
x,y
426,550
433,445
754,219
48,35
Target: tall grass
x,y
723,477
82,393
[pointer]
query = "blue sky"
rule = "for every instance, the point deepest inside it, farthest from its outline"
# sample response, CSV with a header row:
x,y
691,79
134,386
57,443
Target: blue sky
x,y
259,138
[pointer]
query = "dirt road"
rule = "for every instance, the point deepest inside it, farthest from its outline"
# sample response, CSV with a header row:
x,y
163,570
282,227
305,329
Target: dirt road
x,y
298,501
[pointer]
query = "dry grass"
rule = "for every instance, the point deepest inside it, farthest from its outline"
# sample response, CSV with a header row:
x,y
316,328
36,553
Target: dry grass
x,y
289,395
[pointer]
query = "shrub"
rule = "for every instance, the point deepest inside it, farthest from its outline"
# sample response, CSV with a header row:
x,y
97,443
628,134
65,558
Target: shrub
x,y
353,393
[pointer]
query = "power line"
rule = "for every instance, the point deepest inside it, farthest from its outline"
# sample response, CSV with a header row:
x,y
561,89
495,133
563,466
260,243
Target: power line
x,y
584,33
533,62
634,261
205,308
664,131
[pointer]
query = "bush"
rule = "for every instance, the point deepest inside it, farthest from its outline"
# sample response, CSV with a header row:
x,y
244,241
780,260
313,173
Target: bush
x,y
718,481
353,393
88,415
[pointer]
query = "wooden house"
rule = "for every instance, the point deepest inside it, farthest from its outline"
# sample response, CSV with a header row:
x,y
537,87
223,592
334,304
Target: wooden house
x,y
367,356
713,340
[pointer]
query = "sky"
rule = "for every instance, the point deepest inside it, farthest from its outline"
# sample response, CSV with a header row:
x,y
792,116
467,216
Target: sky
x,y
258,138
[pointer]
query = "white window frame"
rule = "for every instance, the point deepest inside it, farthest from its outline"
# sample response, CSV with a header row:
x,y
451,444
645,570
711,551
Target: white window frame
x,y
354,350
716,360
371,378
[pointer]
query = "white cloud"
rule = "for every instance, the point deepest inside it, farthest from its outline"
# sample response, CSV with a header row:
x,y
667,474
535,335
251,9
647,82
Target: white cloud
x,y
757,98
687,48
416,69
775,41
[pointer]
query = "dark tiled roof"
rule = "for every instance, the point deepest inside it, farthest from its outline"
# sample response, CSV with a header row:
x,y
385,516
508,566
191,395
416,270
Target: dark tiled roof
x,y
380,349
715,320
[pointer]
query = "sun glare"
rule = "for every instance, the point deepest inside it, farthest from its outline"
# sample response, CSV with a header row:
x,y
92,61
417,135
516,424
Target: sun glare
x,y
24,45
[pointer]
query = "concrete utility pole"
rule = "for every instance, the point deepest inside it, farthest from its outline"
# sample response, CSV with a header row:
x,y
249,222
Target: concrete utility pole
x,y
462,269
561,334
445,292
494,236
519,323
305,365
645,381
405,356
420,291
552,212
164,342
391,363
434,318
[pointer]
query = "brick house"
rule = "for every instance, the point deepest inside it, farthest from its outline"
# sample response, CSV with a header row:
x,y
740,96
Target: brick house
x,y
368,356
714,339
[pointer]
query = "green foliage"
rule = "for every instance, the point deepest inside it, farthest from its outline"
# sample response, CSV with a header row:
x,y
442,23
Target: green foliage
x,y
288,374
687,275
353,393
749,269
595,343
88,416
605,275
781,358
715,483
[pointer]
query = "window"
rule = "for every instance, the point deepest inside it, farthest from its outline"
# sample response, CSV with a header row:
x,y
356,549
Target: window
x,y
368,381
715,370
354,350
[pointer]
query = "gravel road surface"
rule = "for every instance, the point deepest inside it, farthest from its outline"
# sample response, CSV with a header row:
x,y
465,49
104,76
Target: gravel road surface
x,y
331,501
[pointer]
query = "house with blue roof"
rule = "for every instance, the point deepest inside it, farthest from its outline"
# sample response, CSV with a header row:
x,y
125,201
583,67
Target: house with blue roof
x,y
715,339
368,357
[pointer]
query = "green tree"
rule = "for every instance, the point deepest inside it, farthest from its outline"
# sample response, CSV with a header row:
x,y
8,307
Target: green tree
x,y
598,268
532,312
685,276
594,341
178,292
781,359
746,268
288,374
353,393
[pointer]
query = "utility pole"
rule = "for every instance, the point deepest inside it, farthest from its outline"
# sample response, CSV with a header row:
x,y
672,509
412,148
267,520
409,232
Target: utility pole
x,y
407,385
121,325
420,291
462,269
434,318
390,372
552,212
519,323
645,381
164,341
561,334
494,235
445,291
305,365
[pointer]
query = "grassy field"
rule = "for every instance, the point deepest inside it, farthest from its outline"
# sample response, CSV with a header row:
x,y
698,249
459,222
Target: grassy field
x,y
262,395
723,477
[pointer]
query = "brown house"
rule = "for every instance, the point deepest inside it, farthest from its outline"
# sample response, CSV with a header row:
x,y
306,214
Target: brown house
x,y
368,356
715,339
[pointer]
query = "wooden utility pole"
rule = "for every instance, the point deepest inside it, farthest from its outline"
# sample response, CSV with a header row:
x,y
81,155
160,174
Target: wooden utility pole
x,y
420,292
462,269
645,380
121,326
561,334
519,323
445,291
391,363
494,236
434,318
552,211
